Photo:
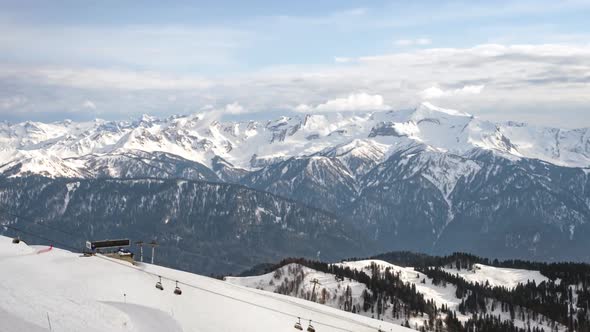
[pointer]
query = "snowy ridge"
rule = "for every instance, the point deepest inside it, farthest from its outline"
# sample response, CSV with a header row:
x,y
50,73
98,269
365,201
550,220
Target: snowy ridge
x,y
439,294
74,293
360,139
496,276
278,281
296,280
445,294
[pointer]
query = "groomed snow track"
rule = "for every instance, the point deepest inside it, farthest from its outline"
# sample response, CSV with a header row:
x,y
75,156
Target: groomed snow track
x,y
74,293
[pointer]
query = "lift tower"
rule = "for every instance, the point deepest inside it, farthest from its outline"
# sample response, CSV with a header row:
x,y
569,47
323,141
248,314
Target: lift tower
x,y
153,244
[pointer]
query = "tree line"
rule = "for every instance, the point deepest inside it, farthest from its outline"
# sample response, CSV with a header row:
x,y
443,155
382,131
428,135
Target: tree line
x,y
563,301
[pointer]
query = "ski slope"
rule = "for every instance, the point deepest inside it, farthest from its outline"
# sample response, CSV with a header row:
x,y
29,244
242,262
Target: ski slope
x,y
326,281
329,290
439,294
301,279
497,276
40,288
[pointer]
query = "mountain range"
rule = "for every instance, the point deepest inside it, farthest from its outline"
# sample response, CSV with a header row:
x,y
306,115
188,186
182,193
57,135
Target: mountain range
x,y
426,179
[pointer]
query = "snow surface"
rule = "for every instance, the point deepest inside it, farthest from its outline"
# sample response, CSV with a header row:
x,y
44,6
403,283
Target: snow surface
x,y
445,294
269,282
496,276
76,293
334,289
440,294
11,323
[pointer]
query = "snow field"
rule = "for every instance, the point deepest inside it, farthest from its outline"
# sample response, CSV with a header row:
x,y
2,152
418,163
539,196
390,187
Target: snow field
x,y
102,294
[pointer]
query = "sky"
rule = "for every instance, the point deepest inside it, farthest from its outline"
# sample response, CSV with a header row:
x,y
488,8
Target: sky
x,y
117,59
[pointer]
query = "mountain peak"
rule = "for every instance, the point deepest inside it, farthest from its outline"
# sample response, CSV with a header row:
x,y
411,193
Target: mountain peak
x,y
146,119
359,139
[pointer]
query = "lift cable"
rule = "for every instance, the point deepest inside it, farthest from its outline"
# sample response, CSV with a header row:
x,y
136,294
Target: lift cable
x,y
69,247
61,244
5,211
251,303
211,291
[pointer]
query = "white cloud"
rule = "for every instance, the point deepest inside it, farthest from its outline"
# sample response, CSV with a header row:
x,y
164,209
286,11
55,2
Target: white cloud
x,y
12,102
95,78
413,42
354,102
338,59
234,108
303,108
503,77
436,92
168,47
89,104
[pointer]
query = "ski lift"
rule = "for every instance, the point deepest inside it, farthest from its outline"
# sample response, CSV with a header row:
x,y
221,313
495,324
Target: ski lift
x,y
310,328
298,324
16,240
177,290
159,284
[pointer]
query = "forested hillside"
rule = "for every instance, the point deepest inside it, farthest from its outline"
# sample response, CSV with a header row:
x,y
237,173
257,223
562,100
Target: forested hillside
x,y
459,292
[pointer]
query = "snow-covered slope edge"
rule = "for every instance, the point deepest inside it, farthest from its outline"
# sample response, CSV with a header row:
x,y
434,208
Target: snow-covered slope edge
x,y
74,293
345,294
350,295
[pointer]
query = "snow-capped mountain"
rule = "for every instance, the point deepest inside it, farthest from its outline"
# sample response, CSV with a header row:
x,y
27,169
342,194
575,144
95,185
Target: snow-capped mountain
x,y
359,140
427,179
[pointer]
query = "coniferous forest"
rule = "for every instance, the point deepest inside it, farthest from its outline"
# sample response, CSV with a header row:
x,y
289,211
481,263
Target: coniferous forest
x,y
561,303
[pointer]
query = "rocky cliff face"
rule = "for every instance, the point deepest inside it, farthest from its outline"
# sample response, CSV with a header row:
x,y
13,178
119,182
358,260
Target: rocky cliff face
x,y
427,179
